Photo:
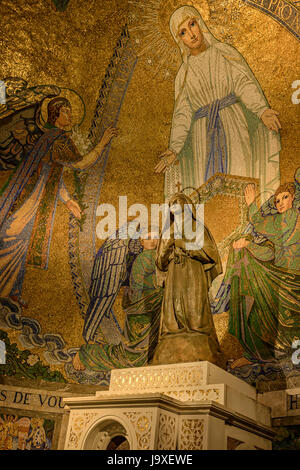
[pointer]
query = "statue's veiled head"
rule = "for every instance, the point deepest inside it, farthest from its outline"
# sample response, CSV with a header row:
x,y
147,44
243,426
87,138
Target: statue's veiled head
x,y
182,200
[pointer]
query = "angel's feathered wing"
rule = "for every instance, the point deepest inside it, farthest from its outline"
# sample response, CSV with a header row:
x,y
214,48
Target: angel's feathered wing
x,y
17,142
19,116
111,270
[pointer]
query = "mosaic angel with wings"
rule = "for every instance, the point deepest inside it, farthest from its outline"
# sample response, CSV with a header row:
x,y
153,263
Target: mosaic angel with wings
x,y
127,263
261,286
38,155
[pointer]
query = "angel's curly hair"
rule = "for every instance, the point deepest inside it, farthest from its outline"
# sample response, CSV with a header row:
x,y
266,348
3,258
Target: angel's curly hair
x,y
285,188
54,107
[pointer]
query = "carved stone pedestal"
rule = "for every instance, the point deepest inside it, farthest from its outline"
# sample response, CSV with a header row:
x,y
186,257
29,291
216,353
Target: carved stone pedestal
x,y
191,406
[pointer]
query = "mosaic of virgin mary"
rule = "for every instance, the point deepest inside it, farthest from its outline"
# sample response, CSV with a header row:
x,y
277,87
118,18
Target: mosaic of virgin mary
x,y
222,122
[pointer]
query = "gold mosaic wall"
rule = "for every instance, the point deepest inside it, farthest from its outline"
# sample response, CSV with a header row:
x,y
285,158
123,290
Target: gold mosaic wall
x,y
72,49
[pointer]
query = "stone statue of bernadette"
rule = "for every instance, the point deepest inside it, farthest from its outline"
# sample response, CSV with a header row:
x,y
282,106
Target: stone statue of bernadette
x,y
187,332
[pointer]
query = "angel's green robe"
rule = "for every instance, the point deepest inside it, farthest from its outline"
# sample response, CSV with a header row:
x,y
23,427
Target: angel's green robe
x,y
264,310
142,305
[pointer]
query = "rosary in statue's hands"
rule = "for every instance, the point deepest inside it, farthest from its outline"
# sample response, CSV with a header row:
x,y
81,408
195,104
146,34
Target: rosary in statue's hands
x,y
167,158
270,120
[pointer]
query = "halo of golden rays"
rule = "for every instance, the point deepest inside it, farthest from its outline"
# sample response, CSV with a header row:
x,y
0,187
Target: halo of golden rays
x,y
77,106
149,28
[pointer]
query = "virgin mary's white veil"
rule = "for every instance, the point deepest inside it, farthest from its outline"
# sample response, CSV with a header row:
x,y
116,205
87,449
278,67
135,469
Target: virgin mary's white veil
x,y
180,16
266,144
230,53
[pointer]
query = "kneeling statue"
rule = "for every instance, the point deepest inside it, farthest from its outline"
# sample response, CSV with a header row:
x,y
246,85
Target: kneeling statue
x,y
187,331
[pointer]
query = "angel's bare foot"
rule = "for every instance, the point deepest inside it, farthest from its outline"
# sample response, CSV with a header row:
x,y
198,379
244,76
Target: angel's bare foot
x,y
77,364
242,361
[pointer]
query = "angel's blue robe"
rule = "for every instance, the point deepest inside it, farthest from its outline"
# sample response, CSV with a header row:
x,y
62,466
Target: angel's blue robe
x,y
27,208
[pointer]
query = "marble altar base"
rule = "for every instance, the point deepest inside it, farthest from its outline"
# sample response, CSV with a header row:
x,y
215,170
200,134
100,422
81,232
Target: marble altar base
x,y
189,406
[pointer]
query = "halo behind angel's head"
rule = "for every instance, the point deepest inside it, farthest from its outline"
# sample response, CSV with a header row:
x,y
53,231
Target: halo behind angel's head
x,y
53,108
178,18
67,97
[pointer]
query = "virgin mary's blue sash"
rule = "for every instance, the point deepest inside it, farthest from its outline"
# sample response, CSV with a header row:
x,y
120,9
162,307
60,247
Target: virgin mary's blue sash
x,y
217,155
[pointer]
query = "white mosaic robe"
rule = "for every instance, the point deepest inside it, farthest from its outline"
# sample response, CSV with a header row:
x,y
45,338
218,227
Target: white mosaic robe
x,y
252,149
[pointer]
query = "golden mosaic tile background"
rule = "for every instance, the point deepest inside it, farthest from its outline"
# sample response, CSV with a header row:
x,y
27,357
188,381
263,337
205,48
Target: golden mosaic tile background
x,y
72,49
